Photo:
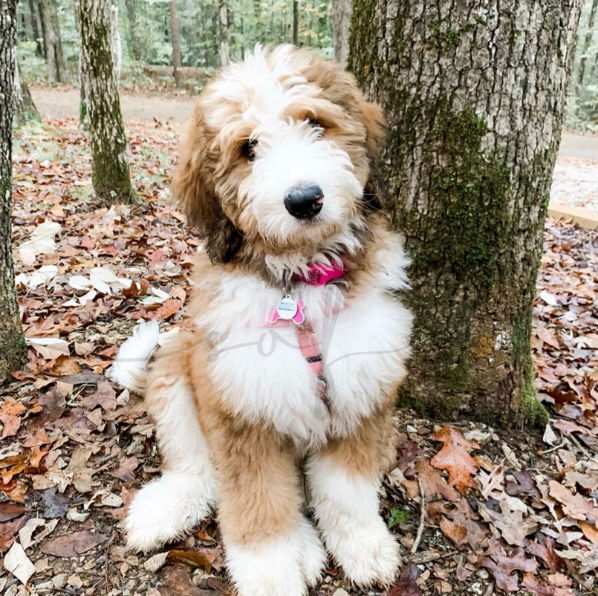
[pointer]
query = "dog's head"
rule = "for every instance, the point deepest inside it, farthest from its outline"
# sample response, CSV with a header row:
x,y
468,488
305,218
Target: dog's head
x,y
278,154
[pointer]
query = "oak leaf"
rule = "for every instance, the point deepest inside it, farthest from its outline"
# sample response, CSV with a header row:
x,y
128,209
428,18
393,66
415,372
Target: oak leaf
x,y
454,457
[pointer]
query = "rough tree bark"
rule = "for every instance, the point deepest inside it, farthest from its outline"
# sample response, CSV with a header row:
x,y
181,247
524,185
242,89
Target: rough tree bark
x,y
340,16
223,51
13,352
110,166
176,43
474,95
587,43
53,42
132,14
24,108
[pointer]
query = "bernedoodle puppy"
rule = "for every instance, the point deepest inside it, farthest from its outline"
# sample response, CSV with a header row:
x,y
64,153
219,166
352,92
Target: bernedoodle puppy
x,y
279,403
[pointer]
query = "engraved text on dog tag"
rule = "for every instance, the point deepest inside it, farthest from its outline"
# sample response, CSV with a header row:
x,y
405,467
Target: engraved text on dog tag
x,y
287,308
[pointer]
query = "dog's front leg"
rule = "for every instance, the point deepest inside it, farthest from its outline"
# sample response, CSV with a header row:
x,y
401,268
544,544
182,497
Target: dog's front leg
x,y
271,549
344,480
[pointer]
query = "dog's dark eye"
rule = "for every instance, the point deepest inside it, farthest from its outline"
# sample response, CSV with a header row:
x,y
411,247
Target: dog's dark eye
x,y
314,123
248,149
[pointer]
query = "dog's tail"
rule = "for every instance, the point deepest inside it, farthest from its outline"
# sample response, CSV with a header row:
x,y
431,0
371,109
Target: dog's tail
x,y
130,367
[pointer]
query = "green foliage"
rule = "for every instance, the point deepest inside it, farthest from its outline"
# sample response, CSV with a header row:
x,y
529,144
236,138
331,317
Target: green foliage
x,y
144,27
398,517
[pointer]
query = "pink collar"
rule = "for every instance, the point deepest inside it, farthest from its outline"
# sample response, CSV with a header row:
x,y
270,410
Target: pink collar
x,y
320,275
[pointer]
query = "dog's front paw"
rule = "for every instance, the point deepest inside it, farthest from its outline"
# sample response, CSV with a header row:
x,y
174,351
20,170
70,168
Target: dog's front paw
x,y
368,553
282,566
313,554
165,510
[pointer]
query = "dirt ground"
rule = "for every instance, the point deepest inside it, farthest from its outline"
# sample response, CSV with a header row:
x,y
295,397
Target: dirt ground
x,y
64,103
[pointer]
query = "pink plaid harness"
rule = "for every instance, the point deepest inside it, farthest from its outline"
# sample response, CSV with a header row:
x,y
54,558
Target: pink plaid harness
x,y
309,345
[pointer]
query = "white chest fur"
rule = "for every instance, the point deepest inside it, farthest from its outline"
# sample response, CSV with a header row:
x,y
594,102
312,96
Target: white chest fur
x,y
262,374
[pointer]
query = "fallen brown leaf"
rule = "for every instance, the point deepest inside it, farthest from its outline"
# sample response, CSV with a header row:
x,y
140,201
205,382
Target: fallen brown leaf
x,y
455,458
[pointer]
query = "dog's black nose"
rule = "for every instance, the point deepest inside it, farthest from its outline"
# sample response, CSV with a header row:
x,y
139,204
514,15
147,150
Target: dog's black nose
x,y
304,202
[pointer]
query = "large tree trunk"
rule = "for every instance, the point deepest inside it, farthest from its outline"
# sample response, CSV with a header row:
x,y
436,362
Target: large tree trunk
x,y
340,16
223,51
135,44
13,353
110,165
24,108
587,43
176,43
474,95
53,42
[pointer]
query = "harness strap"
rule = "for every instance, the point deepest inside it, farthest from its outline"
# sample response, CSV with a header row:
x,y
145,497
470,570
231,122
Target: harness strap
x,y
310,350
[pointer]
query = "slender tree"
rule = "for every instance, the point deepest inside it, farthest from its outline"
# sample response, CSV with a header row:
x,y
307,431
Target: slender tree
x,y
223,48
296,22
33,18
53,42
176,43
133,32
340,17
39,30
115,43
25,110
475,107
110,166
587,42
13,352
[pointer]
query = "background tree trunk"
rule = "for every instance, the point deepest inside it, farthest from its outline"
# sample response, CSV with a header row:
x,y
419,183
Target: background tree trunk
x,y
40,36
176,43
587,43
24,107
296,22
135,44
223,52
13,352
110,165
53,42
474,95
340,17
115,43
28,22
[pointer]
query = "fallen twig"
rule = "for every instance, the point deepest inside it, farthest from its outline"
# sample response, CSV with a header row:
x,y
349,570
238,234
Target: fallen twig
x,y
422,517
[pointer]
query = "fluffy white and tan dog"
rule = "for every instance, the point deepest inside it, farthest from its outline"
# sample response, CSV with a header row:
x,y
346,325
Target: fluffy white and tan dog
x,y
299,340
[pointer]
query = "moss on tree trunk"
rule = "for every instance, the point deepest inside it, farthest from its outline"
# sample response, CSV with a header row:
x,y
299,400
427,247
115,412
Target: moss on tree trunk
x,y
474,96
110,166
13,352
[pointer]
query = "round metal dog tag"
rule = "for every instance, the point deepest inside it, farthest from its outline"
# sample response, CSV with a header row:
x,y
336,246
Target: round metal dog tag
x,y
287,308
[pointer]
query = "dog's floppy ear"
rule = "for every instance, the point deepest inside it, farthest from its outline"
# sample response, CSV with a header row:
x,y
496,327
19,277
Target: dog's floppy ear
x,y
192,186
374,121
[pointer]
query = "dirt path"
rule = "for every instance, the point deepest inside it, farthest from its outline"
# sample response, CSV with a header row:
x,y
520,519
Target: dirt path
x,y
64,103
577,167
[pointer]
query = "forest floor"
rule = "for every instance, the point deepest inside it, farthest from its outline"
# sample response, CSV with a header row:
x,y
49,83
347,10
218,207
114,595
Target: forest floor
x,y
505,512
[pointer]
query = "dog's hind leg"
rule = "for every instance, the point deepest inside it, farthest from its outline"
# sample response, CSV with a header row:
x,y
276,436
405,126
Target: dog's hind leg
x,y
167,508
